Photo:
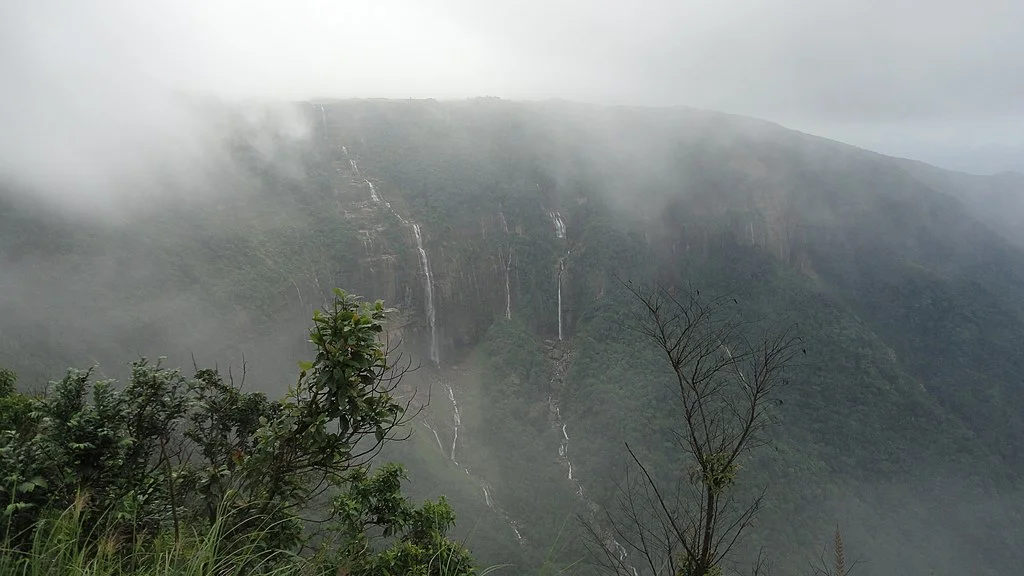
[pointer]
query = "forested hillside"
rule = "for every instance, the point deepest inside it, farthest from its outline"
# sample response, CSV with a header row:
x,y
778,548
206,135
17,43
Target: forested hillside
x,y
507,236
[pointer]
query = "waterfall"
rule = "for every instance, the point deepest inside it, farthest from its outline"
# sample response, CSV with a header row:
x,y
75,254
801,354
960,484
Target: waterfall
x,y
373,192
504,224
563,450
488,499
323,117
508,296
381,198
556,219
561,267
436,437
351,162
563,444
559,304
429,287
458,421
610,542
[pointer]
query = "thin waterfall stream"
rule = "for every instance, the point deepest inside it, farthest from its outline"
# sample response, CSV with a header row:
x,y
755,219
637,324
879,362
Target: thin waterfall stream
x,y
373,192
435,356
560,231
451,455
561,268
561,427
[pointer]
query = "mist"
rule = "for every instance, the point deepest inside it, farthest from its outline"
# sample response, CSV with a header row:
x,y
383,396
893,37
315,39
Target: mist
x,y
190,179
84,86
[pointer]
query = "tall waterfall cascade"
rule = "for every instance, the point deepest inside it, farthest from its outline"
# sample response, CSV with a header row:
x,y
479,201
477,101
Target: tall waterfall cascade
x,y
378,198
435,356
556,219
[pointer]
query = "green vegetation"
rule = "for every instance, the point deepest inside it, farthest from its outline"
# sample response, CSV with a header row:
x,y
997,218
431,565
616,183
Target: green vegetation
x,y
171,475
901,421
725,387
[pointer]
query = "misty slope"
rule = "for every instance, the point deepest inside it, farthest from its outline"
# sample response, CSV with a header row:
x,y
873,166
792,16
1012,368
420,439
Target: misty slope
x,y
903,422
997,200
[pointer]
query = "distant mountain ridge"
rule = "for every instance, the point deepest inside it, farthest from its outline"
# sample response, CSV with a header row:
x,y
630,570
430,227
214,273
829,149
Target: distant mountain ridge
x,y
906,281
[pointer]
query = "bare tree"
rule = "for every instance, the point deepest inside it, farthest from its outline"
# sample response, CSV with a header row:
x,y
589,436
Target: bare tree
x,y
725,384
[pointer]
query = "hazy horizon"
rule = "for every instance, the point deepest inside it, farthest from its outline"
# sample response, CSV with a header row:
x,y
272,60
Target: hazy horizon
x,y
83,82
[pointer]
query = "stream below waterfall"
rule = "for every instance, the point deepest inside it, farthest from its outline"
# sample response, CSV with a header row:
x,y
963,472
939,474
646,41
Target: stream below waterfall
x,y
456,422
561,426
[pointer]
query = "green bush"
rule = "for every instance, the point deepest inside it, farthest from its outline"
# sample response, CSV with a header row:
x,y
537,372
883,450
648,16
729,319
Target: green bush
x,y
169,474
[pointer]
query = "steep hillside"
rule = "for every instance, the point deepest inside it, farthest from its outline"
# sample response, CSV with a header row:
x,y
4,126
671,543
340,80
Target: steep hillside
x,y
504,232
997,200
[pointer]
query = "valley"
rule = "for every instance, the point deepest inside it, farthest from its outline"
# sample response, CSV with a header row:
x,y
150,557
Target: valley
x,y
507,234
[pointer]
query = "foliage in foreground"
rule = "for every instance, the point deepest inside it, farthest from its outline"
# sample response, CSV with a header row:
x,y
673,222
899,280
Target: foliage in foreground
x,y
169,474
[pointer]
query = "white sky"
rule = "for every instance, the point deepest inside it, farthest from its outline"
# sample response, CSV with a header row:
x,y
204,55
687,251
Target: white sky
x,y
896,75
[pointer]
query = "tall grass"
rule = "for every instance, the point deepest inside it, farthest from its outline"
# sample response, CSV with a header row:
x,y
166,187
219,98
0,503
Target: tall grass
x,y
62,545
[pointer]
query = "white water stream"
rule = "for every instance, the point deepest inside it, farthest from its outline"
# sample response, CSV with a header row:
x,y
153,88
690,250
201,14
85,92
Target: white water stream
x,y
351,162
450,454
561,268
428,283
436,437
508,296
435,356
434,351
373,191
611,543
458,421
556,219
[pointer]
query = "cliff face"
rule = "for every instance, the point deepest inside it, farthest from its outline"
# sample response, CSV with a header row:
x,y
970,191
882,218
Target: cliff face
x,y
901,293
504,232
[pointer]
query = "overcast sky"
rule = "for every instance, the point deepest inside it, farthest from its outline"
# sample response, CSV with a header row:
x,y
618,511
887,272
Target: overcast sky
x,y
904,76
